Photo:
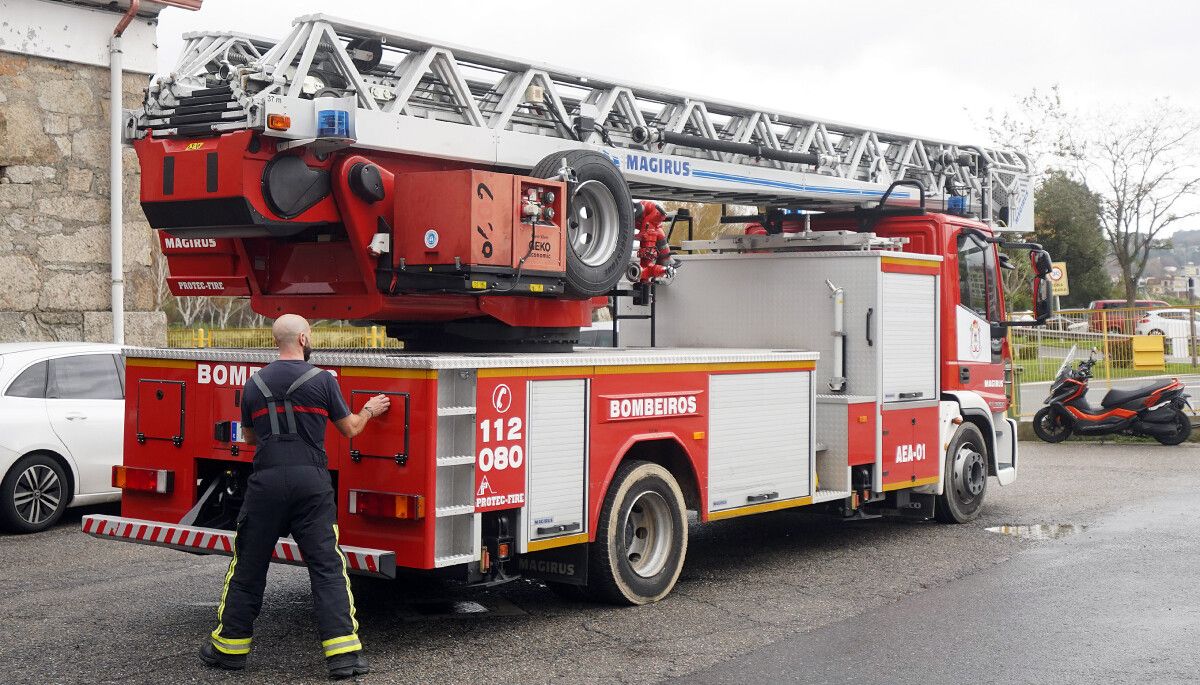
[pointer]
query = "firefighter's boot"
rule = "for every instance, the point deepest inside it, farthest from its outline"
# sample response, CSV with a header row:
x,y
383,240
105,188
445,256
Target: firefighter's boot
x,y
347,665
217,659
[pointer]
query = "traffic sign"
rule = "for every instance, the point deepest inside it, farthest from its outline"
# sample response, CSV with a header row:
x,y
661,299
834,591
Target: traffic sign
x,y
1058,278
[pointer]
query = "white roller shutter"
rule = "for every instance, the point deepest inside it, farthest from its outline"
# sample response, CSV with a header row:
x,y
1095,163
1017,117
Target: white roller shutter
x,y
908,337
556,457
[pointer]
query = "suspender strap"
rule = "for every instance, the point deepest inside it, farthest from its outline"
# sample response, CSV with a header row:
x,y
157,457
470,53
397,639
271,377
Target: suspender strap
x,y
287,398
271,412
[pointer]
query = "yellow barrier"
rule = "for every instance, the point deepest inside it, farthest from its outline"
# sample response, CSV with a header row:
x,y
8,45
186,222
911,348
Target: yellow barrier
x,y
324,337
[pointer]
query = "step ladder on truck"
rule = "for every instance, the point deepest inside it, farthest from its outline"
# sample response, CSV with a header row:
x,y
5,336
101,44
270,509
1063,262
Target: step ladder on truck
x,y
848,351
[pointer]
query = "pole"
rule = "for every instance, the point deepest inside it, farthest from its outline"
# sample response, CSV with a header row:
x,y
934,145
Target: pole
x,y
1192,319
116,192
116,186
1107,365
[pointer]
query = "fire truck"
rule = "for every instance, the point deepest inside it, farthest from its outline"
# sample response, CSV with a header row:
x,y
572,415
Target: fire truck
x,y
844,349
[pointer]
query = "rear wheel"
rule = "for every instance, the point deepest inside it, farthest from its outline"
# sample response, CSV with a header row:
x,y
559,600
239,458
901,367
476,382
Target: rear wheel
x,y
642,540
965,478
1050,426
33,495
1155,331
599,220
1183,429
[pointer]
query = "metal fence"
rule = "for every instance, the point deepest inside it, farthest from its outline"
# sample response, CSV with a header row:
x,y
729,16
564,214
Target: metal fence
x,y
339,337
1129,344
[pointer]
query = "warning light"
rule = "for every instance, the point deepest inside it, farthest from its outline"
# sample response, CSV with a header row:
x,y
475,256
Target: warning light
x,y
279,122
387,505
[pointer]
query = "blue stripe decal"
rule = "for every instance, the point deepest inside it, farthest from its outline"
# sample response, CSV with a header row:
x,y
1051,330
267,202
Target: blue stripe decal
x,y
699,173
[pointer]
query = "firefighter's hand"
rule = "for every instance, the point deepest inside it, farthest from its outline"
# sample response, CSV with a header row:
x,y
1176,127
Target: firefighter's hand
x,y
378,404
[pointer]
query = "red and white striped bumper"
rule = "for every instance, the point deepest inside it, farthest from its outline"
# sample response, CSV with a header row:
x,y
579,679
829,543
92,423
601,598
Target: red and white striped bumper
x,y
360,560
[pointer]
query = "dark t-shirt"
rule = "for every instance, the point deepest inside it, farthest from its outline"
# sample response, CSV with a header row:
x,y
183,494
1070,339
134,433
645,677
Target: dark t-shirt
x,y
315,402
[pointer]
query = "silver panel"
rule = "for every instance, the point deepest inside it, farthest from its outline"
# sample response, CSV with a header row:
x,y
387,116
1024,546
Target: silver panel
x,y
400,360
556,458
759,438
908,327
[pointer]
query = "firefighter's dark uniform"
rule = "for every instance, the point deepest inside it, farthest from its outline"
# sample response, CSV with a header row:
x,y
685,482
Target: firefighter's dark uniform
x,y
288,404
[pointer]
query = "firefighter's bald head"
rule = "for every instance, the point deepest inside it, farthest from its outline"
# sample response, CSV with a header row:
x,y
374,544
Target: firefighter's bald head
x,y
293,336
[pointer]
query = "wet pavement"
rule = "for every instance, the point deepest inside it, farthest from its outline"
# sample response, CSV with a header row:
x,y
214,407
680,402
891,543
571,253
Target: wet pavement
x,y
782,597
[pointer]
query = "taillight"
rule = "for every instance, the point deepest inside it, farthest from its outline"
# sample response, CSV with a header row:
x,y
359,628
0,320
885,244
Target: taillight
x,y
145,480
387,505
1145,320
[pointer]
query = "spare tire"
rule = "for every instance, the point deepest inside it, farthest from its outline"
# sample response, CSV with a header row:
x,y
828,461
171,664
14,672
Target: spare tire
x,y
599,220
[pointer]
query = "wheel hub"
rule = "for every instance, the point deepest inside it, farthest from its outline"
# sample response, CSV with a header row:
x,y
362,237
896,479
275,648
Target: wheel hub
x,y
970,473
595,225
648,534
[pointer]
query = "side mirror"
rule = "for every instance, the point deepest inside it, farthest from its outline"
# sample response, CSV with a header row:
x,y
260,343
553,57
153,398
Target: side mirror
x,y
1040,259
1043,296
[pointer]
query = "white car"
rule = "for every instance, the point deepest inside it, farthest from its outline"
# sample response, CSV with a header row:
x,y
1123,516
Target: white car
x,y
1170,323
62,414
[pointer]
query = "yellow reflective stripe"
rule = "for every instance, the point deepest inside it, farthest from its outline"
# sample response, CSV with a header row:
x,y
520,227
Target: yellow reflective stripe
x,y
216,634
342,650
231,650
339,640
232,641
349,593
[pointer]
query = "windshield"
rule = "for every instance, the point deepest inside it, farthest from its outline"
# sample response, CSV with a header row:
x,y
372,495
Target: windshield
x,y
1066,364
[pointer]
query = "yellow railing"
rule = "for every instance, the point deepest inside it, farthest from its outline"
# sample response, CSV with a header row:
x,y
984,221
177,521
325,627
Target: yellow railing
x,y
324,337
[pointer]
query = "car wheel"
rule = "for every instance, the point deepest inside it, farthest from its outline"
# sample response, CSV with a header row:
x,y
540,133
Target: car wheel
x,y
33,494
1155,331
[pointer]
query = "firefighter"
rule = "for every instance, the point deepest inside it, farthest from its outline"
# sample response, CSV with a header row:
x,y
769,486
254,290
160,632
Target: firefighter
x,y
285,407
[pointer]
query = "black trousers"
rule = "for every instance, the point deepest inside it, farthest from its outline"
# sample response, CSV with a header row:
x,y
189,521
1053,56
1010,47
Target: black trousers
x,y
289,491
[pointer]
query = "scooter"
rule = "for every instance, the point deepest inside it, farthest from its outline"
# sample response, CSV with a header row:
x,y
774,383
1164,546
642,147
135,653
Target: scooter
x,y
1154,410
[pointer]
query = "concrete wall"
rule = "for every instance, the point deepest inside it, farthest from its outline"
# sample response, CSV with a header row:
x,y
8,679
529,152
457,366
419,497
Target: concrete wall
x,y
54,234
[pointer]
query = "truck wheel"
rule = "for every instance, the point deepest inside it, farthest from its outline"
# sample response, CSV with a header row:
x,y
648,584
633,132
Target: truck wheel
x,y
965,477
33,494
1049,426
599,221
642,539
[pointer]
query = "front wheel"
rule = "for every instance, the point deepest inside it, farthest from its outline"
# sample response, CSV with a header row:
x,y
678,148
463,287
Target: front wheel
x,y
965,478
1050,426
642,539
1182,424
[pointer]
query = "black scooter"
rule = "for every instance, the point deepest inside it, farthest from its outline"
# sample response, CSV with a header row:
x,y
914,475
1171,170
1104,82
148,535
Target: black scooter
x,y
1154,410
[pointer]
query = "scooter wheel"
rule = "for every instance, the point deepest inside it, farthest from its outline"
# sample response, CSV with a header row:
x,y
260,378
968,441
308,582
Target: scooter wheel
x,y
1183,429
1050,426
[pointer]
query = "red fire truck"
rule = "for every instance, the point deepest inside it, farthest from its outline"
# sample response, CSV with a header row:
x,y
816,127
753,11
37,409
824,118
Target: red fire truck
x,y
846,351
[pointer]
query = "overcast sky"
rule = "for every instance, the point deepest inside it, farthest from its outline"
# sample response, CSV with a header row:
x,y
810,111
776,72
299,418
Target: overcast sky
x,y
926,68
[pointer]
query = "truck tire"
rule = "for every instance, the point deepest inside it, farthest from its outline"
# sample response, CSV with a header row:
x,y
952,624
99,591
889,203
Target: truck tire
x,y
965,477
641,541
599,221
33,494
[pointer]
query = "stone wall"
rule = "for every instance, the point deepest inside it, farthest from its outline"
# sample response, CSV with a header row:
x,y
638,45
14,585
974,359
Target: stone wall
x,y
54,233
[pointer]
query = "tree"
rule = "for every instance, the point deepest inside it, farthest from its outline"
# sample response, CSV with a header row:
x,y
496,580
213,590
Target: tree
x,y
1067,224
1142,166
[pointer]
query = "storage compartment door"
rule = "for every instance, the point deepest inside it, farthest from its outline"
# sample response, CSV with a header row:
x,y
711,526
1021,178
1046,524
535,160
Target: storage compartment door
x,y
760,449
556,458
908,337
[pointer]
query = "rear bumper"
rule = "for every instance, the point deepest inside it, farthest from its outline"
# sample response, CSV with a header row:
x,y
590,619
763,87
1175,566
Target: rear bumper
x,y
359,560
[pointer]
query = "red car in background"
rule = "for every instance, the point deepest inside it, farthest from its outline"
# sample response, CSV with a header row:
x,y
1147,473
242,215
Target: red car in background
x,y
1119,318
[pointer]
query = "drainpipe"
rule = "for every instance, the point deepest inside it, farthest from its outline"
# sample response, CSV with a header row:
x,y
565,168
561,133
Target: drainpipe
x,y
116,186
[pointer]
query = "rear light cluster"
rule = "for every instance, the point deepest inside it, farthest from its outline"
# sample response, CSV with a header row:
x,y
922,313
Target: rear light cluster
x,y
144,480
387,505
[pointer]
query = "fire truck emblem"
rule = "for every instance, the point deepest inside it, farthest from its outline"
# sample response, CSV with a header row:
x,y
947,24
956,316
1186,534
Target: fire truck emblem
x,y
976,338
502,398
485,488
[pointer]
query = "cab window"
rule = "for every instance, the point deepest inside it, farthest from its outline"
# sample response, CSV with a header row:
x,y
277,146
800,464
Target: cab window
x,y
977,277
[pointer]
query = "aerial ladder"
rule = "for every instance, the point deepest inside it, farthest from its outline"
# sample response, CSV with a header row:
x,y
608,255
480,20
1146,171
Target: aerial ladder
x,y
261,158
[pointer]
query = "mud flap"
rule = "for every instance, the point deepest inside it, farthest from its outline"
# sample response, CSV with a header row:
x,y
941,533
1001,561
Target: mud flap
x,y
1006,450
566,565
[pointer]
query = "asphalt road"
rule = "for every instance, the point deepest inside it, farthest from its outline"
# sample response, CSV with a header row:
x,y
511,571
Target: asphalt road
x,y
906,599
